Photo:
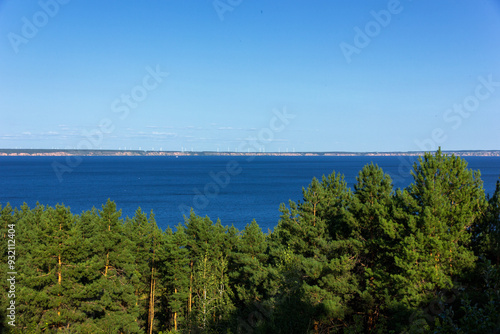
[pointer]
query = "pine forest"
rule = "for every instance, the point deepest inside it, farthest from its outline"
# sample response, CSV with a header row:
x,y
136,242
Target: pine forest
x,y
372,259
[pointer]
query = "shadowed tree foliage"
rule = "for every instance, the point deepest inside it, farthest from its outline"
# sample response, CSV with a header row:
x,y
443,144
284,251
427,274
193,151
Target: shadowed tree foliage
x,y
487,234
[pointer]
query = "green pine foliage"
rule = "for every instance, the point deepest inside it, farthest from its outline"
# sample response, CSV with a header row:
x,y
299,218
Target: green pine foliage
x,y
147,241
47,293
249,265
487,234
424,259
116,303
315,259
443,206
174,275
374,234
209,299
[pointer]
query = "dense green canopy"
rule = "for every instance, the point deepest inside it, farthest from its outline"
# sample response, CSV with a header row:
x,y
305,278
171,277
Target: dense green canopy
x,y
372,259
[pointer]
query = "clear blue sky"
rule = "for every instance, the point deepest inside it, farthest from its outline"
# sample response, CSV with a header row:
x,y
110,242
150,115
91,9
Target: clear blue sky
x,y
232,67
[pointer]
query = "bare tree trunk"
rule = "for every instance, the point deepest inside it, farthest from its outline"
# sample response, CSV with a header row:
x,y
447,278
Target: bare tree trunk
x,y
190,288
107,264
152,304
175,315
152,293
107,257
59,268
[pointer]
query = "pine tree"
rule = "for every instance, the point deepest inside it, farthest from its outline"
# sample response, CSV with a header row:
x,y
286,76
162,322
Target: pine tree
x,y
316,258
31,280
136,229
107,293
62,250
208,288
175,273
156,243
375,233
88,265
475,308
249,262
487,234
147,239
50,245
442,206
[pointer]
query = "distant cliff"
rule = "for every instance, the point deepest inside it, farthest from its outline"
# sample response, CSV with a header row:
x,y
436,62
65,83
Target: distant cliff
x,y
56,152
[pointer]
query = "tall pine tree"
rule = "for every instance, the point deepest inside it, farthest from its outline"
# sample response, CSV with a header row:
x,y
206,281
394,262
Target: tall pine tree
x,y
375,235
442,206
175,275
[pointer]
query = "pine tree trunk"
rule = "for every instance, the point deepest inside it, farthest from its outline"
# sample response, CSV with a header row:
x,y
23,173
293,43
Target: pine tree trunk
x,y
190,288
107,257
59,274
314,214
59,269
107,265
152,306
152,295
204,291
175,314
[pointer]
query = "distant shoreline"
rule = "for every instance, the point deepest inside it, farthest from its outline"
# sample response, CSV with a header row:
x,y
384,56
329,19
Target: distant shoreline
x,y
57,152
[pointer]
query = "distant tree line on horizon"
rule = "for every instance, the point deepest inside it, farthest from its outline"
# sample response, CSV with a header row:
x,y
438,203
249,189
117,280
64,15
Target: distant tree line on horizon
x,y
423,259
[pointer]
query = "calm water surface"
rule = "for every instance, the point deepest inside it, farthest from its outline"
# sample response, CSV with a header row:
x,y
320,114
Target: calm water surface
x,y
230,188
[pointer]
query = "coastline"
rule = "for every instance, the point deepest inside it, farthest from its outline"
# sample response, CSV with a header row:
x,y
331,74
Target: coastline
x,y
56,152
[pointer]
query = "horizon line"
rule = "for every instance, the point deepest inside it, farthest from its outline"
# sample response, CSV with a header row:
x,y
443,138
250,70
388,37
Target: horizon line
x,y
211,152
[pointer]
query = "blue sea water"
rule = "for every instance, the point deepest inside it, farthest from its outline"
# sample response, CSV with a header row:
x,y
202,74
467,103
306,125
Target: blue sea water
x,y
233,189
